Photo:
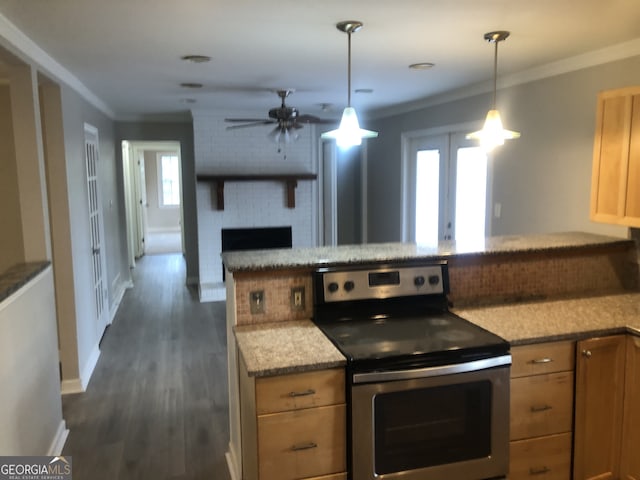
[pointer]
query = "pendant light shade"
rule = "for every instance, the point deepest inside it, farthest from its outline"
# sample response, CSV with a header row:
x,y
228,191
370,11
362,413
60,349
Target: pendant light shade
x,y
493,133
349,133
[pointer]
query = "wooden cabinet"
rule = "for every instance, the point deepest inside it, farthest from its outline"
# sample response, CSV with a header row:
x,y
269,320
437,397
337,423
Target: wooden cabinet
x,y
541,416
615,182
293,426
630,459
600,366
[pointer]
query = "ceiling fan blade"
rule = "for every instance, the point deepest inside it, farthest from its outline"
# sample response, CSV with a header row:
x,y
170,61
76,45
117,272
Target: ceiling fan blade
x,y
245,119
252,124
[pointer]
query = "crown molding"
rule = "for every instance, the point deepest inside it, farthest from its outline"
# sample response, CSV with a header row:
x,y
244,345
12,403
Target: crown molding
x,y
571,64
26,49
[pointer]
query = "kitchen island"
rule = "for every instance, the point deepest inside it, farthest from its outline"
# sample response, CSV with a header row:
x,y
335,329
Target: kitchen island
x,y
525,288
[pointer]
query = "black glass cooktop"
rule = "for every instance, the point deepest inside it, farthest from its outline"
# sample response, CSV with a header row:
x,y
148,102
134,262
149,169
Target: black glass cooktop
x,y
439,338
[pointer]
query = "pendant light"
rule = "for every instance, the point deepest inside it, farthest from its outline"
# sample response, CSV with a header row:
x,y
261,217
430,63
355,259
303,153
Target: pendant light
x,y
349,132
493,134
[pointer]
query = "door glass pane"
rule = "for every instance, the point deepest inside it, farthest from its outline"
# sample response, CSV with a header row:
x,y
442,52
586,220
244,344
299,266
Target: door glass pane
x,y
427,196
471,196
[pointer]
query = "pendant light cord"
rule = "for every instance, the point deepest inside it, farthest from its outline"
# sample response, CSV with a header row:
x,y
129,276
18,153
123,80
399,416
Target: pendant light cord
x,y
495,73
348,69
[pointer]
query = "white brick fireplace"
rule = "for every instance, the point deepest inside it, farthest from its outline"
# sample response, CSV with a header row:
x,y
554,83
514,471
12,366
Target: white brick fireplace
x,y
249,204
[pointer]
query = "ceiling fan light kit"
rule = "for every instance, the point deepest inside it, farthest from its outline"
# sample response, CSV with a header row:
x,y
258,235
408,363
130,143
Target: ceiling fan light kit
x,y
349,133
493,133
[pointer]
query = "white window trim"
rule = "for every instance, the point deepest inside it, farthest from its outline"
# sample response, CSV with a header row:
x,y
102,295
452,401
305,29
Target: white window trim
x,y
159,156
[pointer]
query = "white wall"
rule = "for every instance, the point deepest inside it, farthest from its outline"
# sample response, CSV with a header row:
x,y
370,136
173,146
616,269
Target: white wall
x,y
249,204
30,404
542,180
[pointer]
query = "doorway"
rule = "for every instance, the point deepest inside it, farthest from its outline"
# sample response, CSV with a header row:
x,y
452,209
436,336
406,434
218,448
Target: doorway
x,y
153,198
343,202
447,189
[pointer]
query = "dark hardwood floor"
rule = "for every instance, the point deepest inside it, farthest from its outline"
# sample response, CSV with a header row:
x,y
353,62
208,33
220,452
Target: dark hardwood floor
x,y
156,406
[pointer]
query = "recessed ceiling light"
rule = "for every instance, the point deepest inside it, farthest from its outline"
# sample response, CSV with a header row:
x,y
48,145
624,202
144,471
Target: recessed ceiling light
x,y
191,85
422,66
196,58
363,90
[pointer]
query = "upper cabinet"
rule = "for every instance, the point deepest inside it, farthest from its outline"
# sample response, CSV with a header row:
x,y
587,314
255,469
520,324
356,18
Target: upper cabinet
x,y
615,183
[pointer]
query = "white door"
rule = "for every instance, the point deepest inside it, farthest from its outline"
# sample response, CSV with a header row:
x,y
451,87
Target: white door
x,y
98,254
448,190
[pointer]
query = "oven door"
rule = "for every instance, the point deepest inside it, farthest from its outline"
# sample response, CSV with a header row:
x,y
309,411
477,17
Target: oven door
x,y
446,423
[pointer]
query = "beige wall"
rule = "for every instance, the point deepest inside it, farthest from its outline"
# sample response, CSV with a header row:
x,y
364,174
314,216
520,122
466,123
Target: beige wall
x,y
11,245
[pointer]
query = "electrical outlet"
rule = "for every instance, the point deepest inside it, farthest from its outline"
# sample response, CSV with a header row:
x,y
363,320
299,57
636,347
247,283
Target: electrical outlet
x,y
256,301
297,298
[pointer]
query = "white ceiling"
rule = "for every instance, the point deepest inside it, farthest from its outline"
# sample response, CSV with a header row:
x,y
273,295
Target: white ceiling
x,y
127,52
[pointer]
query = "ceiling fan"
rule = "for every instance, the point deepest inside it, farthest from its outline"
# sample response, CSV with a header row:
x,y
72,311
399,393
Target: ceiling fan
x,y
287,120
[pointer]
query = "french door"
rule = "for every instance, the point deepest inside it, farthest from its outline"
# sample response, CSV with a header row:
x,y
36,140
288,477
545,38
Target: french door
x,y
447,190
96,229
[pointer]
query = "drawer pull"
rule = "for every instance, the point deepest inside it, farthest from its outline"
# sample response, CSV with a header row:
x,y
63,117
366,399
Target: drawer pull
x,y
540,408
306,393
539,471
586,353
304,446
540,361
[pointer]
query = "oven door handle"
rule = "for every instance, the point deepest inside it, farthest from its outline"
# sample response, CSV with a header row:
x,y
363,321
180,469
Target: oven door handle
x,y
427,372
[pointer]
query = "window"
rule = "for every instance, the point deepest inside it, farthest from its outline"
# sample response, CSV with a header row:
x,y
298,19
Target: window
x,y
446,191
169,180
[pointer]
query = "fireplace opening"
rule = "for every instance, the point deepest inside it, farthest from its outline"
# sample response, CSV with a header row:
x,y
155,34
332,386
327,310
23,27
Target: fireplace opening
x,y
255,239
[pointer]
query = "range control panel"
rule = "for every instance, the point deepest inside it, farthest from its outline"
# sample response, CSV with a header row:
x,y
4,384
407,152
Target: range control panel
x,y
340,285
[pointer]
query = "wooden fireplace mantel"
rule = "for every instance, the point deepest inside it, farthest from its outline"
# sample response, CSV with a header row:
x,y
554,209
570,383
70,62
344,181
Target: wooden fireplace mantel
x,y
290,180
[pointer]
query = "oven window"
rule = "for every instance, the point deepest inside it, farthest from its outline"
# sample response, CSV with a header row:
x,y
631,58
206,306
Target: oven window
x,y
432,426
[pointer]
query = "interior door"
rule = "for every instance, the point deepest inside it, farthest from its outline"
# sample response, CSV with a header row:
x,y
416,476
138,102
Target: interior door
x,y
447,190
96,227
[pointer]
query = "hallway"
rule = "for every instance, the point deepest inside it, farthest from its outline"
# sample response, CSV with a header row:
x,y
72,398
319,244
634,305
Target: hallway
x,y
157,405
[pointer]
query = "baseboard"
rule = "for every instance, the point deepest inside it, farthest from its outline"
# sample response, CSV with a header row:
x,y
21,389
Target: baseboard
x,y
231,464
212,292
59,440
113,309
79,385
69,387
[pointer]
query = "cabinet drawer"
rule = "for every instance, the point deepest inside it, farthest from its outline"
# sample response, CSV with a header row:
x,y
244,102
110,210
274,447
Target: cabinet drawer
x,y
543,458
299,390
542,358
302,443
541,405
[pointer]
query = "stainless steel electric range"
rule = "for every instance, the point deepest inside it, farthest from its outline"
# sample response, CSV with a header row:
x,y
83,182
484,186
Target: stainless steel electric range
x,y
428,391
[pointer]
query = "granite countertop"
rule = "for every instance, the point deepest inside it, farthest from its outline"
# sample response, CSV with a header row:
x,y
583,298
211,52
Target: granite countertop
x,y
255,260
16,277
563,319
286,347
298,346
